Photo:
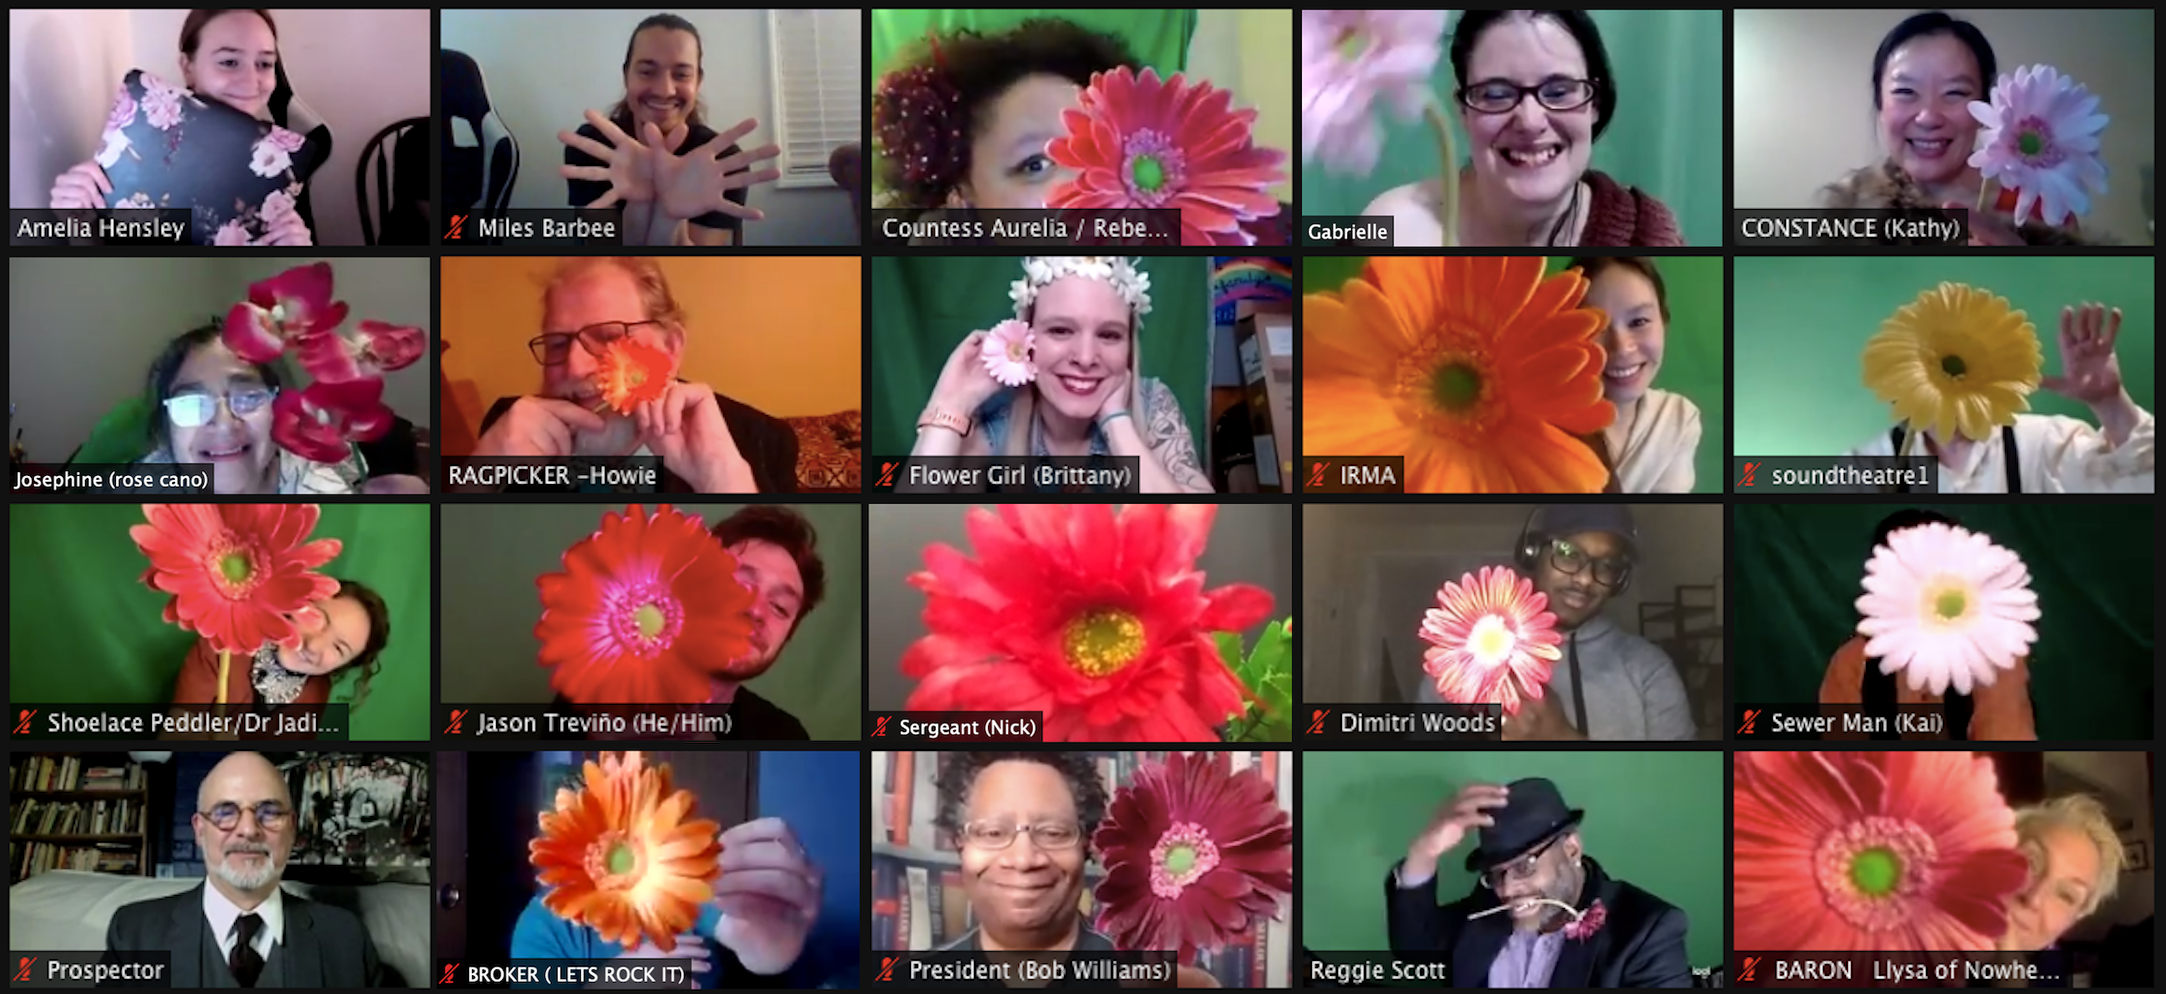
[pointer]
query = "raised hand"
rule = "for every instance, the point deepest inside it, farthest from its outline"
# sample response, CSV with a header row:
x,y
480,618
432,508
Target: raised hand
x,y
2090,372
627,166
697,182
1462,814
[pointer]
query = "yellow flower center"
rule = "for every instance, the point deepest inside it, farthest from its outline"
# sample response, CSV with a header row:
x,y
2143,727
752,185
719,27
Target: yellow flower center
x,y
1490,641
649,619
1102,641
1953,366
1947,600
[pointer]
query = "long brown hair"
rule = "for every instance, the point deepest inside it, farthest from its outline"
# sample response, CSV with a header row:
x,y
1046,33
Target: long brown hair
x,y
365,663
621,114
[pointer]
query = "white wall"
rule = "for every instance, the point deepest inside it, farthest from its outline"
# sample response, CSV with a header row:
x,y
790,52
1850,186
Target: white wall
x,y
359,69
1802,111
82,332
546,69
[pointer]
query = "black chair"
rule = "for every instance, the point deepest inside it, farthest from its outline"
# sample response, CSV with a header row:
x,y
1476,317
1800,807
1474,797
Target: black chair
x,y
479,176
289,111
401,185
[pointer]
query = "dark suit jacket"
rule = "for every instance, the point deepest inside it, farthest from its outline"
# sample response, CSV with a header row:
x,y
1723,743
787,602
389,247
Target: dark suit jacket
x,y
1641,942
324,945
765,441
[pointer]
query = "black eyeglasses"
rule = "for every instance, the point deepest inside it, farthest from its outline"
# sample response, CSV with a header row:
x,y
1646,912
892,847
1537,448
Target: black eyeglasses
x,y
1518,869
1001,834
227,815
1502,96
555,348
1572,559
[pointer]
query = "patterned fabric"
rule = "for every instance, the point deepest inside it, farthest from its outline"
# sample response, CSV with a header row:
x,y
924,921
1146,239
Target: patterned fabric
x,y
830,451
165,147
274,683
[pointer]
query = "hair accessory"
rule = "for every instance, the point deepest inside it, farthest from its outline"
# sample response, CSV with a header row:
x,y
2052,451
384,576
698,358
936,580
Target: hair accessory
x,y
917,120
1133,284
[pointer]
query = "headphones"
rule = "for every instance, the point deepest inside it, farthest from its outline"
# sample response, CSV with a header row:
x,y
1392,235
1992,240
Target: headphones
x,y
1527,555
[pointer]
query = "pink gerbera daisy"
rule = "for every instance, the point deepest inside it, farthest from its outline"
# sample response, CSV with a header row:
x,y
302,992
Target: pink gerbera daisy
x,y
1495,640
1350,61
1144,143
2041,140
1007,353
1945,606
1884,851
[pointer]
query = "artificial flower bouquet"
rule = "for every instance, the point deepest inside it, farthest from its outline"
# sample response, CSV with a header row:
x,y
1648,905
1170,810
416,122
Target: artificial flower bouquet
x,y
1099,619
293,313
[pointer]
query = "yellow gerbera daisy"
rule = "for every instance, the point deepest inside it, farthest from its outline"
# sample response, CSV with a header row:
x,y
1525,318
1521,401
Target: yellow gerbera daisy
x,y
1479,371
1958,360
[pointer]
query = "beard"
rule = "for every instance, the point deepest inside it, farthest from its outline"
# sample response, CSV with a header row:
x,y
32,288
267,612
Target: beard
x,y
244,879
762,659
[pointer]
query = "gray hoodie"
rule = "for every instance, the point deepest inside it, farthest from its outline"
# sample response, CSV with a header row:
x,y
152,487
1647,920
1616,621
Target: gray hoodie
x,y
1633,691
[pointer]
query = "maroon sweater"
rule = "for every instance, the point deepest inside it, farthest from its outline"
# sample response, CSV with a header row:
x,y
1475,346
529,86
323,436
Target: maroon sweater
x,y
1624,217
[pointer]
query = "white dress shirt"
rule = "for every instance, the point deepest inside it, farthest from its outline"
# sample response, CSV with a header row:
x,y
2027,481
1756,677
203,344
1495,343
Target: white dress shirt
x,y
2057,455
222,914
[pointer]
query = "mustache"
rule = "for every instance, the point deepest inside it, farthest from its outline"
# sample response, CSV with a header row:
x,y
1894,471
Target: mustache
x,y
249,847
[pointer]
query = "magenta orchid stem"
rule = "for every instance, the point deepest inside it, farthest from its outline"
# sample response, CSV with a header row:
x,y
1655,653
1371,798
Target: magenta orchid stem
x,y
1449,214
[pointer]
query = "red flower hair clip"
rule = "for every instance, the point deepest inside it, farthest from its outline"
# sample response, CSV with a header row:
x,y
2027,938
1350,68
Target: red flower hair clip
x,y
1586,923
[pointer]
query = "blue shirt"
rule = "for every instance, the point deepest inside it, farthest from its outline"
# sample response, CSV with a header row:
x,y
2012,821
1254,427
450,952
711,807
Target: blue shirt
x,y
540,934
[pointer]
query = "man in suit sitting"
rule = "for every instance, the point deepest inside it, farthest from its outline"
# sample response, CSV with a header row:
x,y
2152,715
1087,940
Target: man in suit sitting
x,y
708,443
1529,855
241,929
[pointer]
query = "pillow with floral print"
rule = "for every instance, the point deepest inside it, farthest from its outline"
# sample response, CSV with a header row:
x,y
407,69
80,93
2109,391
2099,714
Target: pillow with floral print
x,y
165,147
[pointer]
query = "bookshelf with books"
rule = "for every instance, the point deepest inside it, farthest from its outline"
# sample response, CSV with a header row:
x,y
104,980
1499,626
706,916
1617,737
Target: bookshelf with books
x,y
77,811
917,878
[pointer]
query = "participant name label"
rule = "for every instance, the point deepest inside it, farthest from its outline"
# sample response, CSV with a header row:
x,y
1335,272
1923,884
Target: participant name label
x,y
955,726
1402,722
1839,721
212,721
589,721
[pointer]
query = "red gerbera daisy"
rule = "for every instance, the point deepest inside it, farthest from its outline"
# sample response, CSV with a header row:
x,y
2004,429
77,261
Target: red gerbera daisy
x,y
279,311
633,373
1495,639
1889,851
624,856
1194,852
1151,144
1099,620
237,572
646,609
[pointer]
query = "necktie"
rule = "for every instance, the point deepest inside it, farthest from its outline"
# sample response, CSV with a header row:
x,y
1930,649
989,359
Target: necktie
x,y
244,961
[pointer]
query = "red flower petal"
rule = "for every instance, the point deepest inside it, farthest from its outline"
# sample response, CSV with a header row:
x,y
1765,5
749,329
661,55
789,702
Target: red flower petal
x,y
250,333
392,347
237,571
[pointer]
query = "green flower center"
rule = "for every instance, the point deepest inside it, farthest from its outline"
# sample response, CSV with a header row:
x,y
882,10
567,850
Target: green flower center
x,y
1351,44
2030,143
1953,366
233,567
1103,641
649,619
1876,871
1949,605
1150,174
1180,860
1457,387
621,859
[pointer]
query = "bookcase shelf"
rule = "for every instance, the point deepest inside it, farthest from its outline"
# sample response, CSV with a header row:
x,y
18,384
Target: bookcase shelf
x,y
57,823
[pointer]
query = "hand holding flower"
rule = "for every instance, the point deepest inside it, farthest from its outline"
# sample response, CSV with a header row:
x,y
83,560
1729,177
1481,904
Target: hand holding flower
x,y
769,895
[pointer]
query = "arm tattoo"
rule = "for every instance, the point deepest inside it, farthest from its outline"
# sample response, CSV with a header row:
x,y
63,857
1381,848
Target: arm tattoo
x,y
1171,441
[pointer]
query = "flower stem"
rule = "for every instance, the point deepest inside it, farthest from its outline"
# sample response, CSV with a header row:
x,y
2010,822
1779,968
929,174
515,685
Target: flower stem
x,y
1449,215
225,666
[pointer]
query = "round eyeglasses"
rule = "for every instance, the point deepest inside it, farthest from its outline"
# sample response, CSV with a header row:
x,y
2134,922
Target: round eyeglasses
x,y
227,815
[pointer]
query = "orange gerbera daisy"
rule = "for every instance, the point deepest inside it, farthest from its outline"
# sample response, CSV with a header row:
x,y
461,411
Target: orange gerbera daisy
x,y
1478,370
622,856
633,373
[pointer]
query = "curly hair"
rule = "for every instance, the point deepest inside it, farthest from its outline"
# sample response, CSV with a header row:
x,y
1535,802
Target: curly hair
x,y
366,663
959,775
931,107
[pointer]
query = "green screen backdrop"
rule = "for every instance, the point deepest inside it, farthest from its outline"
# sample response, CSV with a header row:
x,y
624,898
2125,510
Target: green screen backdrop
x,y
2092,568
1665,137
1158,37
1802,325
82,626
1654,819
1692,363
922,308
493,553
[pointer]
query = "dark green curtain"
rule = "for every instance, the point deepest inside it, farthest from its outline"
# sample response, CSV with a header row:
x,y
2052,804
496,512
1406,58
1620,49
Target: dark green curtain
x,y
922,308
82,627
2092,567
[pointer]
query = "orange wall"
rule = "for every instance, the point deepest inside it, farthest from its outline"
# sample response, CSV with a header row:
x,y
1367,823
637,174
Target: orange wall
x,y
782,335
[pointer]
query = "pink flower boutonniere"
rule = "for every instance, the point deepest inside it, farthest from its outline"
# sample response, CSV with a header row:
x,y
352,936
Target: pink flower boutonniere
x,y
1587,924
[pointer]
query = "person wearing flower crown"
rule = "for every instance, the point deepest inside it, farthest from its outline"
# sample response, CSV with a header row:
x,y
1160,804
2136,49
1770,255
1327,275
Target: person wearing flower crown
x,y
1610,684
1535,94
1955,368
1928,73
1569,925
1993,712
231,56
693,194
708,443
1071,387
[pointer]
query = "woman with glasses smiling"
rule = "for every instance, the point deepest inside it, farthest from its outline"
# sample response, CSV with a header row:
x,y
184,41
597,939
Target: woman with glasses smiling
x,y
1535,92
210,406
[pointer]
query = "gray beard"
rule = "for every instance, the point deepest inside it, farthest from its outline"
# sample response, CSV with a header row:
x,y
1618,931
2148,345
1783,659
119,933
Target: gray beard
x,y
246,880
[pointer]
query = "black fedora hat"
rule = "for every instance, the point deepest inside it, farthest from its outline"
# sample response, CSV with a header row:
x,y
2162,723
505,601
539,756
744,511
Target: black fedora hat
x,y
1533,813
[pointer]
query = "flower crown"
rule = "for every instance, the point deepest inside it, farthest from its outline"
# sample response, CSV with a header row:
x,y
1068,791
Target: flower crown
x,y
1132,284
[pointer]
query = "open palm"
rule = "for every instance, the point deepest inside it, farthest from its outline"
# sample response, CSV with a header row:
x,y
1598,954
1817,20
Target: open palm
x,y
2090,372
627,165
698,182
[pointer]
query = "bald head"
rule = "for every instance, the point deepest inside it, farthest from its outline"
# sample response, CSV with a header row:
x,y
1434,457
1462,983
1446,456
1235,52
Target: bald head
x,y
245,778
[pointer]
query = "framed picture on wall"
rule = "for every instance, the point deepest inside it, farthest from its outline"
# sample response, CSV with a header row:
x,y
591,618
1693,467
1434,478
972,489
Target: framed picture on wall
x,y
2139,855
360,817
